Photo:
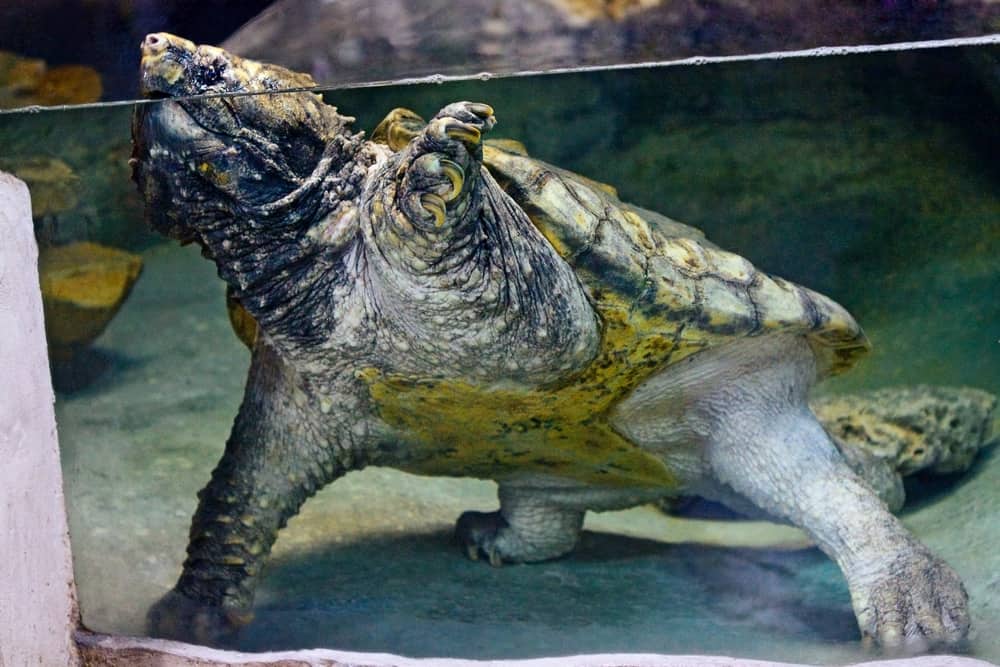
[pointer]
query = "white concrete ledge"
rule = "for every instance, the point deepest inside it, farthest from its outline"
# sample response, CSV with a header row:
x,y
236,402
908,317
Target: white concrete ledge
x,y
110,651
37,599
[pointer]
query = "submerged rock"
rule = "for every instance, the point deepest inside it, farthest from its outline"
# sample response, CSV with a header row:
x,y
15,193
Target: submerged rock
x,y
54,186
891,433
83,286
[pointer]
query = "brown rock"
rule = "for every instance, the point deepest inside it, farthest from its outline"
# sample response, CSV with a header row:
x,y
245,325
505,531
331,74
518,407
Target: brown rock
x,y
69,84
890,433
83,286
28,81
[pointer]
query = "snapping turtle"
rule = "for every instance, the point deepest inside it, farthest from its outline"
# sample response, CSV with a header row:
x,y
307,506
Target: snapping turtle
x,y
521,323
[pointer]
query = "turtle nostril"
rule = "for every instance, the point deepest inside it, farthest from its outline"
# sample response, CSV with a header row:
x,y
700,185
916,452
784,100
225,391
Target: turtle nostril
x,y
154,43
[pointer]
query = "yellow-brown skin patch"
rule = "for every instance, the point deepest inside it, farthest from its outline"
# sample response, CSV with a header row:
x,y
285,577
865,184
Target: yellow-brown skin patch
x,y
452,427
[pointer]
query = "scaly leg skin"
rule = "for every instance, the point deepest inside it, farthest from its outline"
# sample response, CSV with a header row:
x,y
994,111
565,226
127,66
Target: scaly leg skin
x,y
768,447
438,170
527,528
274,460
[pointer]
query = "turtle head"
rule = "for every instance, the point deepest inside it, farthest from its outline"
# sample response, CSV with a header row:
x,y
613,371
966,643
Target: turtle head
x,y
172,66
220,140
236,156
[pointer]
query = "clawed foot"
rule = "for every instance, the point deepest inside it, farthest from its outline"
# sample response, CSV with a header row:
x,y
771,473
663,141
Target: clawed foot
x,y
917,604
465,122
398,128
176,616
476,533
442,159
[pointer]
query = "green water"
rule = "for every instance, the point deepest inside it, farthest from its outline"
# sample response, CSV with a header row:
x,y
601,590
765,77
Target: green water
x,y
872,179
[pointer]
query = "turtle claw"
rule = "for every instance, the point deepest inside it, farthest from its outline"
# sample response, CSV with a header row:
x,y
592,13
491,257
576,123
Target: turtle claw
x,y
477,533
434,205
456,175
440,163
467,134
176,616
919,604
398,128
443,130
464,122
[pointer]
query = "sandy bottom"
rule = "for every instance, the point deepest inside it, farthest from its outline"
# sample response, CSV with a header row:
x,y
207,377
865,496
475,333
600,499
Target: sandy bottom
x,y
369,564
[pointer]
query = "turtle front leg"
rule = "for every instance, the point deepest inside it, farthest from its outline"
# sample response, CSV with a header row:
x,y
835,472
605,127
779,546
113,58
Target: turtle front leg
x,y
528,527
277,456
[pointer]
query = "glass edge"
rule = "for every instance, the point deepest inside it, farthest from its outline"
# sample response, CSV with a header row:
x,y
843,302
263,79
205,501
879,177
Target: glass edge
x,y
814,52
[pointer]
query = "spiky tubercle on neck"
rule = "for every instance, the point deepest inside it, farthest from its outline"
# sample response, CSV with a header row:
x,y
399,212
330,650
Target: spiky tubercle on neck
x,y
278,270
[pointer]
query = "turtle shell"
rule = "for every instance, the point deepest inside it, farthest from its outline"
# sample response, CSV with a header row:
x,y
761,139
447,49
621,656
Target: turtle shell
x,y
655,282
655,279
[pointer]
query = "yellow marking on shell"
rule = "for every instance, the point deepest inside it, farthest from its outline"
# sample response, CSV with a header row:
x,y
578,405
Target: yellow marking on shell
x,y
638,230
233,560
730,266
686,256
728,308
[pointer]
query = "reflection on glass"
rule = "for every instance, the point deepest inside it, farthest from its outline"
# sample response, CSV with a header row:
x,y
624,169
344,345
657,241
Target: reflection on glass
x,y
351,41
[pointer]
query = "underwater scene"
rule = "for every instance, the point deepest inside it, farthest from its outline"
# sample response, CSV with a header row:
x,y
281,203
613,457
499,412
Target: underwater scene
x,y
592,317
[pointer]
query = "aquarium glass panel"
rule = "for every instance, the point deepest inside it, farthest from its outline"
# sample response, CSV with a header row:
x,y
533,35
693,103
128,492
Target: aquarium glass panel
x,y
870,179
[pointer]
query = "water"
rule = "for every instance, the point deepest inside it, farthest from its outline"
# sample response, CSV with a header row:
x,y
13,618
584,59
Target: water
x,y
872,179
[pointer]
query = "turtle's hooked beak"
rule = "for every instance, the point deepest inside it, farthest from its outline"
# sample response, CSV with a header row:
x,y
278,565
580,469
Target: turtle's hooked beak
x,y
166,59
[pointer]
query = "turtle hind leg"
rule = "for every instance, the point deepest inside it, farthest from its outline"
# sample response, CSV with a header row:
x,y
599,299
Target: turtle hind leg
x,y
527,528
767,446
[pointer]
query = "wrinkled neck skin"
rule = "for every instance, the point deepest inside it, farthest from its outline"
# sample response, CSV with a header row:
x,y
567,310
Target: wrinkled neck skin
x,y
276,218
482,298
283,257
307,233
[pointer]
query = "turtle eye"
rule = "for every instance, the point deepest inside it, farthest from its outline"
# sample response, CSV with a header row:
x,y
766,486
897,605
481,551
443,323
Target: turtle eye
x,y
210,75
